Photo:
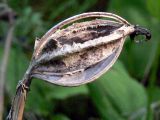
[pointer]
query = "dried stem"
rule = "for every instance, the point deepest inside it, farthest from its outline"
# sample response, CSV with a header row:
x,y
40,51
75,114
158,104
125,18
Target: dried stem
x,y
18,104
4,63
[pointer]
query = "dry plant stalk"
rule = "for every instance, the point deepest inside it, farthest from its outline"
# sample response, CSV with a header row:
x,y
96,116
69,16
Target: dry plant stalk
x,y
8,13
77,54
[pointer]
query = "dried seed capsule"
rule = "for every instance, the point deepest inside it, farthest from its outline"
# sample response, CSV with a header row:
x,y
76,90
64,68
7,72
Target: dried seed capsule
x,y
77,54
83,51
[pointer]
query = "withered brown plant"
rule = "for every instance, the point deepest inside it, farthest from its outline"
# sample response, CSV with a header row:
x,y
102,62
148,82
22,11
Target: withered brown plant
x,y
75,52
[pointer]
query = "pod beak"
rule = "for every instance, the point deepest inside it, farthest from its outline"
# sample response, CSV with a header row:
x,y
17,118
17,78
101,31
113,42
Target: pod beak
x,y
140,31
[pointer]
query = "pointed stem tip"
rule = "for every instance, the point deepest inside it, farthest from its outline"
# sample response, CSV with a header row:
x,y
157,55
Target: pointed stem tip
x,y
140,31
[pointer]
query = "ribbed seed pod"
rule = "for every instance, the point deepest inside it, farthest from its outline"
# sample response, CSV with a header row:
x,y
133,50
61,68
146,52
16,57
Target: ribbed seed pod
x,y
82,51
73,53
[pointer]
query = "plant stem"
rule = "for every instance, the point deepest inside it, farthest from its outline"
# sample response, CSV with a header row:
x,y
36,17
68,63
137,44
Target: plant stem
x,y
5,57
18,104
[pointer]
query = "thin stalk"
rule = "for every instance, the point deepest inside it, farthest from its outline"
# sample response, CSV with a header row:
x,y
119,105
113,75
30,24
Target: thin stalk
x,y
18,104
4,63
4,67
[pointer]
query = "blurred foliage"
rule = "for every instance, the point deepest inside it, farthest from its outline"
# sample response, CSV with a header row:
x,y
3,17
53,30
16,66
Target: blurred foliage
x,y
129,91
121,100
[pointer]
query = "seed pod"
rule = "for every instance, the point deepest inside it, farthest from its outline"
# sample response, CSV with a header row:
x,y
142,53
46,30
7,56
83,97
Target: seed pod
x,y
77,54
83,51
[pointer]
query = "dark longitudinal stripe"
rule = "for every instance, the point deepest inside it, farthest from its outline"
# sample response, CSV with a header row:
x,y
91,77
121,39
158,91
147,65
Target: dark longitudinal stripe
x,y
90,33
81,32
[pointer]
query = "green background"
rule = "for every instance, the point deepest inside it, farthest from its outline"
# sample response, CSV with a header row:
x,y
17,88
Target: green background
x,y
130,90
